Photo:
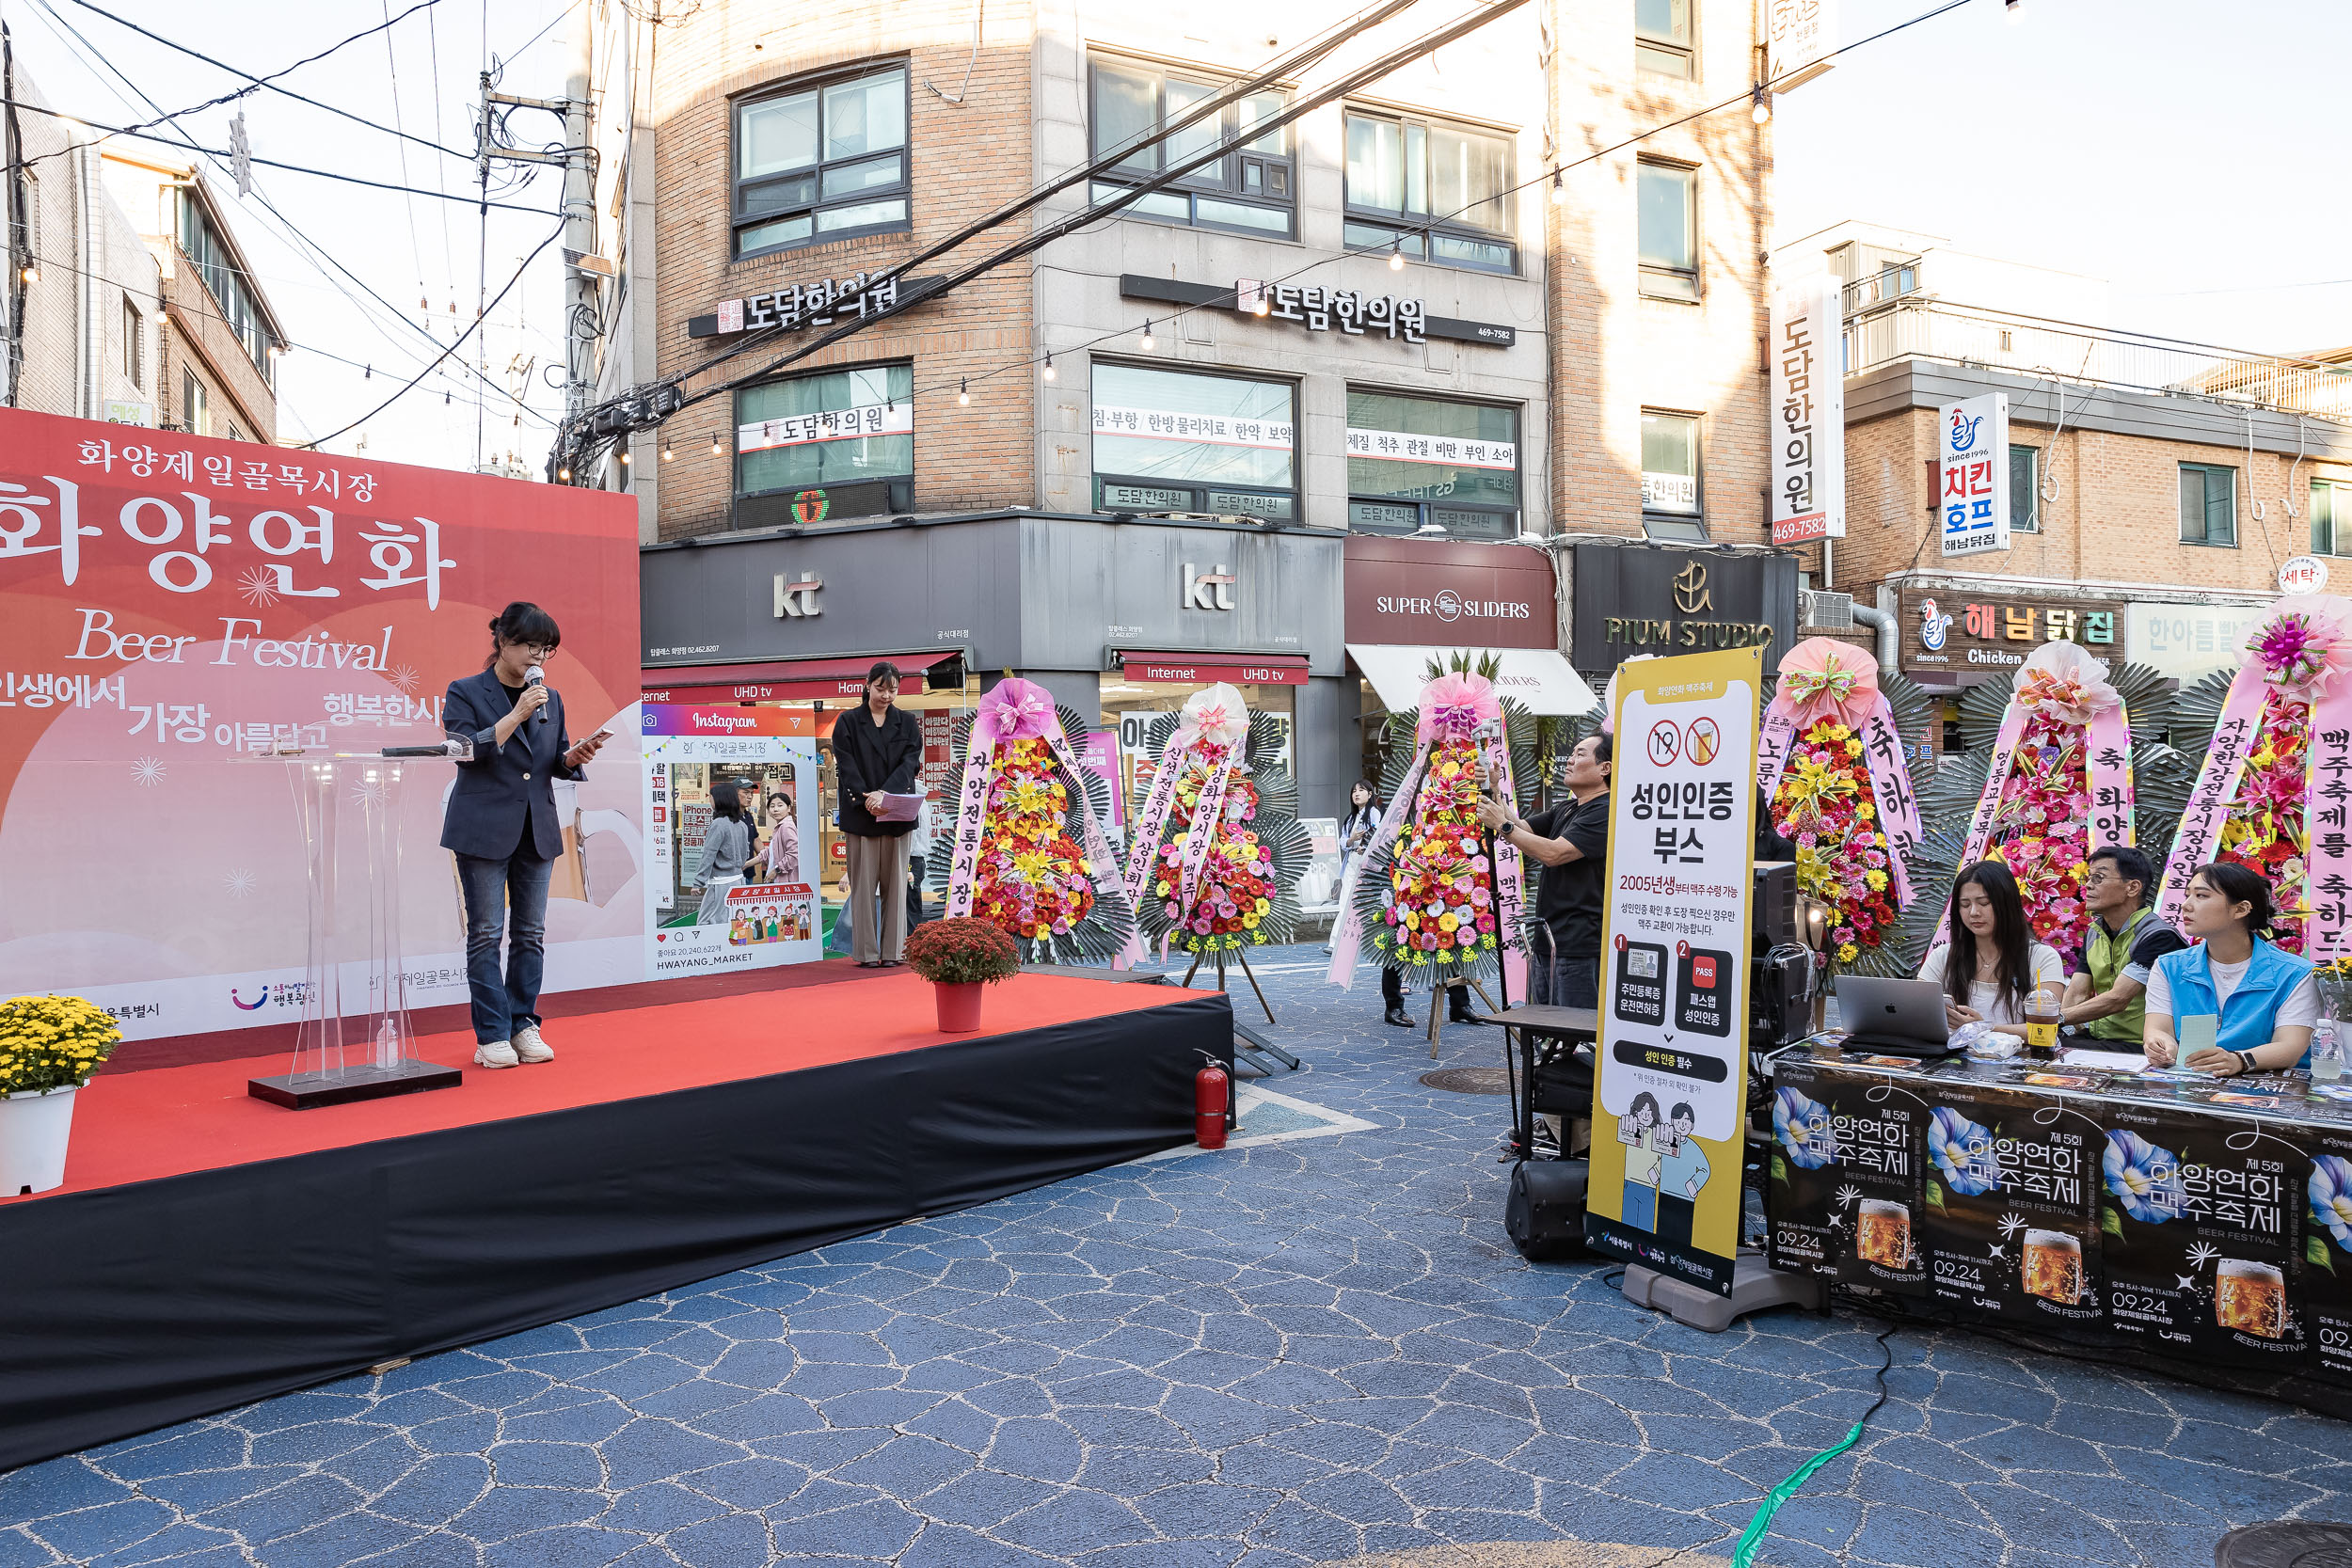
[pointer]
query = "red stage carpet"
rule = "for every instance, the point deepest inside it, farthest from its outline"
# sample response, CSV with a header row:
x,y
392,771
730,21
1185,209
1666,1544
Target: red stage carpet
x,y
210,1249
170,1121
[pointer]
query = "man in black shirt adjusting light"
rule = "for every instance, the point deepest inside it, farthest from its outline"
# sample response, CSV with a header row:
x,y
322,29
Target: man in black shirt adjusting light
x,y
1570,841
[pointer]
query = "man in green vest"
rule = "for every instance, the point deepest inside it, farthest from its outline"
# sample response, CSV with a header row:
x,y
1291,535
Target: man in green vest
x,y
2107,1001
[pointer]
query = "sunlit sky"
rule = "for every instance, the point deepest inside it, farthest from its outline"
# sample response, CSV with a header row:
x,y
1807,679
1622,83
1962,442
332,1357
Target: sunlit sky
x,y
2189,152
2183,151
421,75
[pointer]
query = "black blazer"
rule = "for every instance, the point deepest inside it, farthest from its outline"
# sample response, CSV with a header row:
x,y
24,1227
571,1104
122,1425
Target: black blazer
x,y
866,758
505,791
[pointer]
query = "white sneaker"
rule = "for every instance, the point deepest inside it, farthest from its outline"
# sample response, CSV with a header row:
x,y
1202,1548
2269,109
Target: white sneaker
x,y
528,1047
494,1054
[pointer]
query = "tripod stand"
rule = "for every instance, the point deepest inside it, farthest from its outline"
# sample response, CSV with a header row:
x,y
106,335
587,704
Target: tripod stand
x,y
1241,958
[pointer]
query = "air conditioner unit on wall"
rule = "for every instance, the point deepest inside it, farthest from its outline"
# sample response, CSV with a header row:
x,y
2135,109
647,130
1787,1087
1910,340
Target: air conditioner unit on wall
x,y
1828,611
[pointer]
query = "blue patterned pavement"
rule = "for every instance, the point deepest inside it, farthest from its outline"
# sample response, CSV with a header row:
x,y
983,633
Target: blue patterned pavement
x,y
1309,1350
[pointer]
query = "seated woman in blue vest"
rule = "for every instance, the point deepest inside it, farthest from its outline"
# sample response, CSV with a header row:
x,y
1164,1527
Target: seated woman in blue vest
x,y
2262,995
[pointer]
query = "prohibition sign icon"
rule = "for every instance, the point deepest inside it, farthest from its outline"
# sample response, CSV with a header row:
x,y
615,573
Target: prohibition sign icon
x,y
1706,740
1665,743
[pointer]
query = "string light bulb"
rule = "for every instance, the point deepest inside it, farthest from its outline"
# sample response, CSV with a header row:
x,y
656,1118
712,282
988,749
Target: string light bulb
x,y
1559,190
963,392
666,453
2015,11
1147,335
1049,366
563,475
1396,254
714,443
1762,112
624,457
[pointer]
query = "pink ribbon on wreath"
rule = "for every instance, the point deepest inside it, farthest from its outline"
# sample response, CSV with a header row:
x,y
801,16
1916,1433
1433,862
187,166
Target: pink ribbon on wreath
x,y
1348,933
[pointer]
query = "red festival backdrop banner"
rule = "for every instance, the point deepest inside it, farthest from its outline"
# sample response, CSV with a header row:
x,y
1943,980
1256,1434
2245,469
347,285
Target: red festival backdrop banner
x,y
173,609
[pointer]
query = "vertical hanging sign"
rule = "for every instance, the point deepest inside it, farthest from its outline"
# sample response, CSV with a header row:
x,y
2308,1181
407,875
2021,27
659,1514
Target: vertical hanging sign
x,y
1809,412
1972,445
1671,1086
1802,35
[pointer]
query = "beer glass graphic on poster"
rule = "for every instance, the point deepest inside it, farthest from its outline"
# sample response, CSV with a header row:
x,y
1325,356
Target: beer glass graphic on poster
x,y
1845,1192
2324,1292
2200,1220
2012,1216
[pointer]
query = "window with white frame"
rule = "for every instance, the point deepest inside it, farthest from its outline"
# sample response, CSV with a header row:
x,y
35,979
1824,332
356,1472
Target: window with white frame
x,y
1662,38
1666,197
1436,192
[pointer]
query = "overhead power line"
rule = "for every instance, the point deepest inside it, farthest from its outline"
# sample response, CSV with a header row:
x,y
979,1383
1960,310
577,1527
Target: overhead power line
x,y
303,245
183,140
478,321
258,83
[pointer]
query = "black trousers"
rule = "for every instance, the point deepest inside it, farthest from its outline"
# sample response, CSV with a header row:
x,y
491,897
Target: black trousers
x,y
1392,994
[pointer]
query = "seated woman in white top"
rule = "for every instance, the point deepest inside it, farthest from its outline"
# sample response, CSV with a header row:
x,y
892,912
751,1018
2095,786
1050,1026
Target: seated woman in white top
x,y
1999,964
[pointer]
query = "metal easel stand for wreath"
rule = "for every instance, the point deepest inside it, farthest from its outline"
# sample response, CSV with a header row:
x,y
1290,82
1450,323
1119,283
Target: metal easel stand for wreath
x,y
1254,1045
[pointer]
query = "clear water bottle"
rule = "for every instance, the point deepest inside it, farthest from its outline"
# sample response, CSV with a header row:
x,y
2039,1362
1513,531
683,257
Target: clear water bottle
x,y
2327,1052
387,1046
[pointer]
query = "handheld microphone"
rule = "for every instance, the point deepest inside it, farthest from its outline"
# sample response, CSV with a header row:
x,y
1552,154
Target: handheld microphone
x,y
537,676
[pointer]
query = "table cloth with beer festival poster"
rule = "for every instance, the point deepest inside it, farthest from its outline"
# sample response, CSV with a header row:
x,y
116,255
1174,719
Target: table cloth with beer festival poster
x,y
2165,1211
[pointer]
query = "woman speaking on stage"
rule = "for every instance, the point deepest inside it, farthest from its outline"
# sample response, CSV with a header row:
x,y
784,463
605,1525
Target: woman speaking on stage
x,y
503,827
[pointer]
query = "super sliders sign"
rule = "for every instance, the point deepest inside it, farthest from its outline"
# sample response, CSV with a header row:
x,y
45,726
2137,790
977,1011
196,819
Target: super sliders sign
x,y
1668,1098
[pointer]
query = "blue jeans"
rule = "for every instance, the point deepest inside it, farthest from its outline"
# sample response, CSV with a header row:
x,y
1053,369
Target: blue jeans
x,y
1558,981
506,897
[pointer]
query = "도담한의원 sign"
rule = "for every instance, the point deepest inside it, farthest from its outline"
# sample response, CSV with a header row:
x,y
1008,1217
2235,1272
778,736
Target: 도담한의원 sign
x,y
1671,1086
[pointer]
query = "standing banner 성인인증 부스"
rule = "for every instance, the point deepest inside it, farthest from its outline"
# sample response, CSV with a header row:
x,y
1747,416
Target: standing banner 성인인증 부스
x,y
1669,1120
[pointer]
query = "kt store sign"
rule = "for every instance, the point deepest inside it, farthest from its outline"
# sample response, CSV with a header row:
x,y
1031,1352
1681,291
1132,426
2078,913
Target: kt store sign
x,y
1420,591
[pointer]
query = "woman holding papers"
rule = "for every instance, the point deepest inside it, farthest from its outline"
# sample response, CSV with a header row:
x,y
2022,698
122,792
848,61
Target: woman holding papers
x,y
2236,1003
877,750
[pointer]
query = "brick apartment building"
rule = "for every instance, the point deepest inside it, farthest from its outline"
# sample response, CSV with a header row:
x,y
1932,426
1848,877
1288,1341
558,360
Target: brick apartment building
x,y
137,303
2155,487
1376,320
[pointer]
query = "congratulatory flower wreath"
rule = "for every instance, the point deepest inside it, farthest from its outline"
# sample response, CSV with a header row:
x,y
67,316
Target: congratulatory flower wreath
x,y
1218,849
1026,851
1833,760
2061,761
2281,719
1433,903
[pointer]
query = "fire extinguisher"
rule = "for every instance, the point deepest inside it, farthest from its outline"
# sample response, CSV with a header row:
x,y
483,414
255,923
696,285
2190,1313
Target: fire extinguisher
x,y
1212,1091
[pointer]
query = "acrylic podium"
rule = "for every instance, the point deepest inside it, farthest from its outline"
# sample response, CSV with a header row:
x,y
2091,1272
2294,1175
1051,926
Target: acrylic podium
x,y
354,1041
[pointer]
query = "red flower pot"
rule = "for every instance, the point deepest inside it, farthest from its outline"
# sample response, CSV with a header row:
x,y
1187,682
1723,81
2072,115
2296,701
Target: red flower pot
x,y
959,1007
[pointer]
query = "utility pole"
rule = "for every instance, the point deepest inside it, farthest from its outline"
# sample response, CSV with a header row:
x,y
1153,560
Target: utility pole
x,y
581,263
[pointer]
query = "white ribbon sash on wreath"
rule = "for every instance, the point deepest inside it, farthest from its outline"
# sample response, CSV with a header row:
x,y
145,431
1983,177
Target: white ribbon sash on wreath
x,y
2328,859
1147,821
1347,935
963,866
1510,880
1890,781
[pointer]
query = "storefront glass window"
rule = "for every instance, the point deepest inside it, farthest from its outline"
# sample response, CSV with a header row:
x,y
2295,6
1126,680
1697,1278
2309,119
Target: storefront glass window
x,y
800,433
1417,461
1130,706
1670,464
1167,441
